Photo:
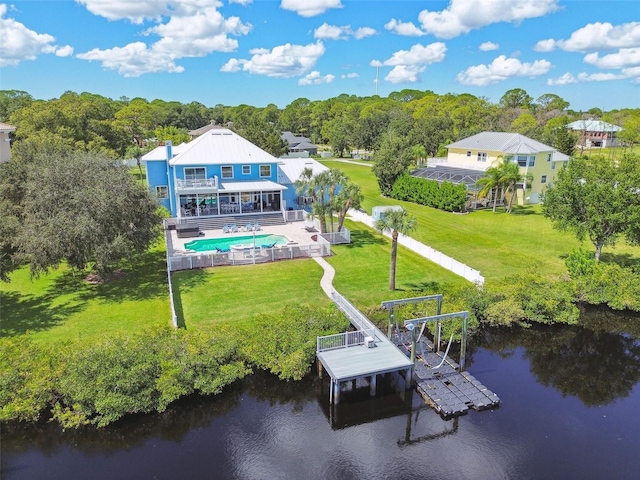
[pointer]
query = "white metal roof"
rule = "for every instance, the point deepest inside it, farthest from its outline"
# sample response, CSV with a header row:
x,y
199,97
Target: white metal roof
x,y
221,146
259,185
290,169
512,143
160,153
593,125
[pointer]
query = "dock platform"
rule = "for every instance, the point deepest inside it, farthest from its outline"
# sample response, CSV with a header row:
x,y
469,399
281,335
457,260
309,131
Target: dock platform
x,y
448,390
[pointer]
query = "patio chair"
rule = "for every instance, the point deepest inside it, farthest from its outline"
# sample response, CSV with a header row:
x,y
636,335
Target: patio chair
x,y
234,228
225,228
248,227
256,226
268,245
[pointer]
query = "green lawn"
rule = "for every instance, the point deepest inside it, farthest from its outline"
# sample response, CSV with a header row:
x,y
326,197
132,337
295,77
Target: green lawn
x,y
362,269
237,293
61,305
497,244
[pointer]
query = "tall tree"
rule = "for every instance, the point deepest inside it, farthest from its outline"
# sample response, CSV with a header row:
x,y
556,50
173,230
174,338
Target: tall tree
x,y
391,160
317,187
598,198
87,210
516,98
396,221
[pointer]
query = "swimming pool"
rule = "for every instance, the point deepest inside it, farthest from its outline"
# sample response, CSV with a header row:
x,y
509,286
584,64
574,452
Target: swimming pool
x,y
211,244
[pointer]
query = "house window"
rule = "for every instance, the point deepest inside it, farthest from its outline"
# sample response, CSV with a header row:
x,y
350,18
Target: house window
x,y
543,179
482,156
246,169
548,157
468,153
553,165
522,160
265,170
195,174
226,171
162,191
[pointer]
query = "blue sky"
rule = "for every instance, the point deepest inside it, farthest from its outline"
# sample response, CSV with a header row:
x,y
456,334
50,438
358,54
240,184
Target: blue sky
x,y
259,52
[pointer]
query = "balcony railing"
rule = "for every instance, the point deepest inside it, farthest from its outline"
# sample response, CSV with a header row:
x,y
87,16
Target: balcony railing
x,y
205,183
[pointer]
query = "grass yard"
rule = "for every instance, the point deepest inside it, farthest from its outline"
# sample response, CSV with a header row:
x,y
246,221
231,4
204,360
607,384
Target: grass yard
x,y
238,293
63,306
497,244
362,269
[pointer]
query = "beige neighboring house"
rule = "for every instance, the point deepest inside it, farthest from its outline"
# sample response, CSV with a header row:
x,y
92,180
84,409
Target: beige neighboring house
x,y
469,158
595,133
5,141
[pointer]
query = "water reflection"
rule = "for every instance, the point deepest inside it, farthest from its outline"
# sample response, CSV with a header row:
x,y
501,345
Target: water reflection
x,y
263,428
597,362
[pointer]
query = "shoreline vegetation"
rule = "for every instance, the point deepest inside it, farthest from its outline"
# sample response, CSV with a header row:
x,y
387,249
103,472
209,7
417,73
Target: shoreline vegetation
x,y
87,353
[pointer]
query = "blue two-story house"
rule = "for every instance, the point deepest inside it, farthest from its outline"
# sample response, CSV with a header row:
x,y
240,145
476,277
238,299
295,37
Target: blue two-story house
x,y
221,173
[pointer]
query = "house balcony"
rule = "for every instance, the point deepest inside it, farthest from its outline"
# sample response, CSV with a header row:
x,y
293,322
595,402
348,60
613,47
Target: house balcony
x,y
199,185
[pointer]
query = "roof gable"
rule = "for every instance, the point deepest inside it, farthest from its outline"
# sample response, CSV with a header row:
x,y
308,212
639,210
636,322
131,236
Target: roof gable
x,y
221,146
510,143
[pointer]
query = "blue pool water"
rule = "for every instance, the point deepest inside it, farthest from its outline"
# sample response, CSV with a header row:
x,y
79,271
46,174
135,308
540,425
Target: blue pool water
x,y
210,244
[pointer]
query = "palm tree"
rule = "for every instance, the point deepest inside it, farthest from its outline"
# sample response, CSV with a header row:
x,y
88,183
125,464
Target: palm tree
x,y
317,187
491,180
398,221
511,177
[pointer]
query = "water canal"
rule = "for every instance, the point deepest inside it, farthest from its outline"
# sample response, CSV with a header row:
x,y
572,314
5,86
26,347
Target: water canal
x,y
570,409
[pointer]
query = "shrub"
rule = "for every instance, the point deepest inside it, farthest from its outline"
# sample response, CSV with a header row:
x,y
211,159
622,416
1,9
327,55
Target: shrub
x,y
445,196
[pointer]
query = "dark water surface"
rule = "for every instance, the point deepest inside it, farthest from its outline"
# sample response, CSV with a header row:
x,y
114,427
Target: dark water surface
x,y
570,410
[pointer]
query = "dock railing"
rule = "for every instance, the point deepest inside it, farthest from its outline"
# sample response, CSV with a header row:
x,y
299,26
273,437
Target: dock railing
x,y
357,318
340,340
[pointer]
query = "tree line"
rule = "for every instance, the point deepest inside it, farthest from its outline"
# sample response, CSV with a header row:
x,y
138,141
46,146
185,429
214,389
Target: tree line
x,y
427,120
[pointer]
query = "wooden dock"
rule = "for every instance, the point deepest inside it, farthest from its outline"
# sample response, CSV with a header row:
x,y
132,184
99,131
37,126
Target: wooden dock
x,y
448,390
367,353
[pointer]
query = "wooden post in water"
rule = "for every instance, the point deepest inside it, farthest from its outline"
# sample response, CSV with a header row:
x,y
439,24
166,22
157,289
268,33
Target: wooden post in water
x,y
372,385
319,369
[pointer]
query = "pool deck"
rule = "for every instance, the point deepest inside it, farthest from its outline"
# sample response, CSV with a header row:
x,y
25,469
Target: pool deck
x,y
295,232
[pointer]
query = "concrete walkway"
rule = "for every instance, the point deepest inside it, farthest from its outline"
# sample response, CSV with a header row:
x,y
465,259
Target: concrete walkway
x,y
327,279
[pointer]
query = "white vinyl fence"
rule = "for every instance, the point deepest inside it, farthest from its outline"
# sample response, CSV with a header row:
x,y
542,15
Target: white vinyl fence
x,y
427,252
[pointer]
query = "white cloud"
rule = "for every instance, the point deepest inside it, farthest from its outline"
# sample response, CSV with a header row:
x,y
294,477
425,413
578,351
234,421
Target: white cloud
x,y
314,78
502,68
462,16
408,64
241,2
547,45
18,43
418,55
488,46
349,75
406,29
189,32
405,74
283,61
625,57
140,10
566,79
309,8
598,77
364,32
602,36
334,32
132,60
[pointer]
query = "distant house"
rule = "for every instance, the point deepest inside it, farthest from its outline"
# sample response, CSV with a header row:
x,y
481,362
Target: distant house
x,y
199,131
595,133
221,173
468,159
5,141
298,145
